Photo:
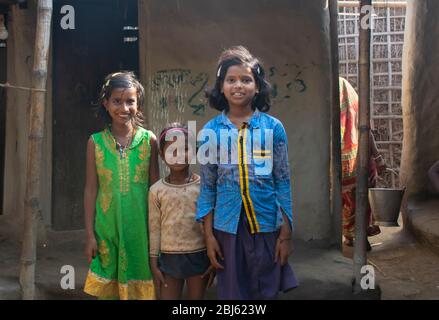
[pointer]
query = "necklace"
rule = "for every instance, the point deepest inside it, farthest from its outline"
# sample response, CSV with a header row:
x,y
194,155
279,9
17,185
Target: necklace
x,y
187,180
122,148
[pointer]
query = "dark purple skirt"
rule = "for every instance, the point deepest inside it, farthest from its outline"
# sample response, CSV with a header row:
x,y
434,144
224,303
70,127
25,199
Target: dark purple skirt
x,y
250,272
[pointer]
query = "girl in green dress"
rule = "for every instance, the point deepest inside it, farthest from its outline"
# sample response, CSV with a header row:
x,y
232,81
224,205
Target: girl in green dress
x,y
121,164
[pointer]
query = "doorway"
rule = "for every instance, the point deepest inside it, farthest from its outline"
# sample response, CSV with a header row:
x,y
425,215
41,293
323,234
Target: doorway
x,y
103,41
3,78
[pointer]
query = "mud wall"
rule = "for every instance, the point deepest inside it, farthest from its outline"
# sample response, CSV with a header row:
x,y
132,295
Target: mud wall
x,y
420,96
180,44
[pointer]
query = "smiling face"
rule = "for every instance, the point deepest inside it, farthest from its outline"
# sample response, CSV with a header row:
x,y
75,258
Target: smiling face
x,y
122,105
239,86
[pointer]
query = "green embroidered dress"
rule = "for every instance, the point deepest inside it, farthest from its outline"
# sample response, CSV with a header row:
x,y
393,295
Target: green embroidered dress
x,y
121,267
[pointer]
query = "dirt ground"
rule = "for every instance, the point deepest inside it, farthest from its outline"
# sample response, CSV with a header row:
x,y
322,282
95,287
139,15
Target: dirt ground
x,y
404,268
322,271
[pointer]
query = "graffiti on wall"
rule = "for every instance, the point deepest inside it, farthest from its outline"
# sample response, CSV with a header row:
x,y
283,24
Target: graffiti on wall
x,y
286,80
179,89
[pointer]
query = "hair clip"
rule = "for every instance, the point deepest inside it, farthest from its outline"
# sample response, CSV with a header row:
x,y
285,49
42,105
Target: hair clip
x,y
115,74
219,72
258,70
109,79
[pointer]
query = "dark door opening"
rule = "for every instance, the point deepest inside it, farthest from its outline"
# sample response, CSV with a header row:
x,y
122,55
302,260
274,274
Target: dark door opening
x,y
3,77
103,41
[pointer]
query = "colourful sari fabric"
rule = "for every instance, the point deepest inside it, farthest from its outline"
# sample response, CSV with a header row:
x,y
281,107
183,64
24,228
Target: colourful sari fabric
x,y
349,133
348,211
349,152
121,268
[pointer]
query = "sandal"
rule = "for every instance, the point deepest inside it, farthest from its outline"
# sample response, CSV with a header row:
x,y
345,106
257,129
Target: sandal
x,y
373,230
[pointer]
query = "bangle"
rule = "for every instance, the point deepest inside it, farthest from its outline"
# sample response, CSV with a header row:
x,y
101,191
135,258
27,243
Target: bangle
x,y
377,157
281,240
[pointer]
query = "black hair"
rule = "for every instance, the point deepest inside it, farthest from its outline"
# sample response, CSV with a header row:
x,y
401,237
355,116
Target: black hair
x,y
174,125
233,56
121,80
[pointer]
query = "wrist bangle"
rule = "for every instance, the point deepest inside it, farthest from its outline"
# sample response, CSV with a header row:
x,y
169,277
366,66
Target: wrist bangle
x,y
285,239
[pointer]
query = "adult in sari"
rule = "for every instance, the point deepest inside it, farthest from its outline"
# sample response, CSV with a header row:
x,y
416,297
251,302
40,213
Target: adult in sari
x,y
349,151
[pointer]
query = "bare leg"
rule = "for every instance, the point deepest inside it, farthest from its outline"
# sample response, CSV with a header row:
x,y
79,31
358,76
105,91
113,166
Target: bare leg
x,y
173,288
196,287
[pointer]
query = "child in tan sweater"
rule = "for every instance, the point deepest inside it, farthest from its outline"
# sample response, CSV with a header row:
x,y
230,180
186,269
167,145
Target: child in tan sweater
x,y
177,247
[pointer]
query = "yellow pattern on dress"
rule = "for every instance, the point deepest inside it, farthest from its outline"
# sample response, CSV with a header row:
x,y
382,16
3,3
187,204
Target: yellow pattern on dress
x,y
123,259
104,253
105,288
141,175
114,278
105,179
143,149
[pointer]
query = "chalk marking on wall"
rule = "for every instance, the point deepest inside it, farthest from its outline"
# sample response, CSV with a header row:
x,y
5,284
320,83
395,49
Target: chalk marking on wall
x,y
284,84
179,88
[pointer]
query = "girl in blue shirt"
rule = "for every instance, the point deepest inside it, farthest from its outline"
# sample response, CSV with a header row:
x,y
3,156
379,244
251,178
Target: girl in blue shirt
x,y
245,204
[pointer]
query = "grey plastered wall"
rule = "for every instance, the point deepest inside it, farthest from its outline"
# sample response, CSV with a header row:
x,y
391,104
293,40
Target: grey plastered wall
x,y
20,62
180,43
420,98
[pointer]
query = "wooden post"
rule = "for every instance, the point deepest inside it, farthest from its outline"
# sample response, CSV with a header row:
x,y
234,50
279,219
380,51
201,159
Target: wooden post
x,y
360,256
34,153
336,205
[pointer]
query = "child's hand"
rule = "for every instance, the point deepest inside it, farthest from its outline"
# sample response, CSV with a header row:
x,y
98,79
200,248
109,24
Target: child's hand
x,y
282,251
213,250
211,273
158,276
372,180
91,249
158,279
283,243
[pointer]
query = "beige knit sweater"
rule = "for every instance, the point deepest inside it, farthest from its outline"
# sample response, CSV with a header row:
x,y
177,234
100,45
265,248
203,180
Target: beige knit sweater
x,y
172,225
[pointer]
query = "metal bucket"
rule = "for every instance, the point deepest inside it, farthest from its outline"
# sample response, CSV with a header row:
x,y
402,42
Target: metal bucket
x,y
385,205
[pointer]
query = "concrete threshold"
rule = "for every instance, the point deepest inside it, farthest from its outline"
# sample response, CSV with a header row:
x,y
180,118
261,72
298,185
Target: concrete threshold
x,y
421,217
